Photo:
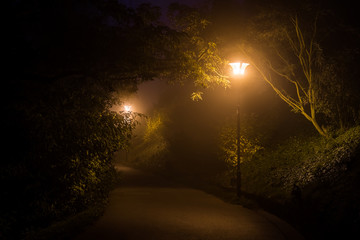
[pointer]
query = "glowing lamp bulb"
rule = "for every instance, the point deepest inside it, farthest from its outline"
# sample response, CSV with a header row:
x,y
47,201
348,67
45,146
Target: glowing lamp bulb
x,y
127,108
239,68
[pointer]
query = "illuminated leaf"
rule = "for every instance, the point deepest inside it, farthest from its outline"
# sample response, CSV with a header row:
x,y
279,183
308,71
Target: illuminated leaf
x,y
196,96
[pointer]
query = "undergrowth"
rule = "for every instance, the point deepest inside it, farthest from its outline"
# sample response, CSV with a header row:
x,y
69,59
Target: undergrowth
x,y
315,180
299,161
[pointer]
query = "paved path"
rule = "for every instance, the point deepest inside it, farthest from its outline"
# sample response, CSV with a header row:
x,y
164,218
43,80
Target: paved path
x,y
147,207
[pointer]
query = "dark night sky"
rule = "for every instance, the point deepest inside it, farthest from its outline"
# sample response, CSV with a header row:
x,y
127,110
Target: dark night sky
x,y
347,9
161,3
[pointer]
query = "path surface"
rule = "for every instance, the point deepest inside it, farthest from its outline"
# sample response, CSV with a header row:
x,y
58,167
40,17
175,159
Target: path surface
x,y
147,207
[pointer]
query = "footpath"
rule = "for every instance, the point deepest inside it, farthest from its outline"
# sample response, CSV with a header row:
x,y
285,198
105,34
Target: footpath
x,y
150,207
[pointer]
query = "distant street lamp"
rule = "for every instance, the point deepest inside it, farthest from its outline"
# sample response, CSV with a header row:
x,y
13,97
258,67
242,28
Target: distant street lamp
x,y
238,69
127,108
127,111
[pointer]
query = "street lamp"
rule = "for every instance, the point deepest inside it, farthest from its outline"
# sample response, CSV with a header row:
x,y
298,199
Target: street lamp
x,y
127,113
127,108
238,68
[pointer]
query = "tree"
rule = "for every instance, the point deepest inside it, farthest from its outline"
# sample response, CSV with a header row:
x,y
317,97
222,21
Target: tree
x,y
69,62
196,57
151,147
294,65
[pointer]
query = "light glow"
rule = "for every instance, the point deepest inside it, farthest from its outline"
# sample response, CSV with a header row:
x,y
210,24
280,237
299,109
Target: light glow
x,y
239,68
127,108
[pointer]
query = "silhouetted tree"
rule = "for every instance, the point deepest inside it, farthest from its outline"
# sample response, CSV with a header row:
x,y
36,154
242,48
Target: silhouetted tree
x,y
69,61
196,57
286,52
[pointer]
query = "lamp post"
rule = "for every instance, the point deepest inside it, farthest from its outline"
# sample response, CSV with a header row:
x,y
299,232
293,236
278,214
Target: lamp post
x,y
238,69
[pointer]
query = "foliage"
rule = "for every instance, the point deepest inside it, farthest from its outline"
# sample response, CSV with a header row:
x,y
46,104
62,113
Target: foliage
x,y
300,161
196,96
66,164
68,63
328,161
229,146
325,173
197,57
249,145
151,145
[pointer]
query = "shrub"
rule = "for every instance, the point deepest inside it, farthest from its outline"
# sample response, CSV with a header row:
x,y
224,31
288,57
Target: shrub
x,y
300,161
63,164
151,147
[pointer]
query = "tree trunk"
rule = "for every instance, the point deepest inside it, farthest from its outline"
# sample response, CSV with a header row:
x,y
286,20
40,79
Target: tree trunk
x,y
318,128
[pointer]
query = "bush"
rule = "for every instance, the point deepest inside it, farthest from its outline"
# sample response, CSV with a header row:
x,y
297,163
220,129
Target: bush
x,y
151,148
62,166
325,174
299,161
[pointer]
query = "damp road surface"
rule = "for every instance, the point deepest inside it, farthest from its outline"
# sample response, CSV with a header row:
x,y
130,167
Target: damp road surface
x,y
147,207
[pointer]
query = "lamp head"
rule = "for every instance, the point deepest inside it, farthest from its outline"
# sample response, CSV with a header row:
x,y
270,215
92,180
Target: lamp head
x,y
239,68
